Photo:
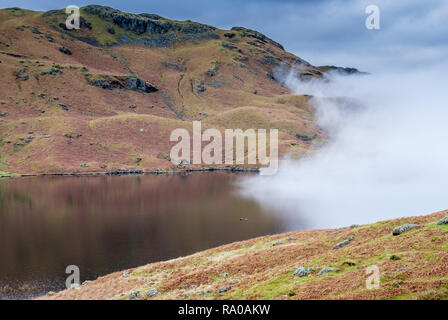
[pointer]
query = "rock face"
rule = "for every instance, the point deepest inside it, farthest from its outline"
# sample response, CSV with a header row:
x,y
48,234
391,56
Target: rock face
x,y
443,221
404,228
146,23
302,271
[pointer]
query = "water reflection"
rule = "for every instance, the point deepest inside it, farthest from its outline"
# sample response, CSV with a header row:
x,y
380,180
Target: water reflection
x,y
105,224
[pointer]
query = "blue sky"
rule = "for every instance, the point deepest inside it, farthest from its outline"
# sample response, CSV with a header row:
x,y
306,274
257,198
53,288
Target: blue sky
x,y
413,32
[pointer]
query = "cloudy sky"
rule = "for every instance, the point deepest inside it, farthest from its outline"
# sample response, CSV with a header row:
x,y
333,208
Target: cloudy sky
x,y
322,32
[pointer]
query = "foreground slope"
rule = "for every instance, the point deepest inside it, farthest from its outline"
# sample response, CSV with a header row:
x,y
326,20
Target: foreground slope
x,y
412,265
108,95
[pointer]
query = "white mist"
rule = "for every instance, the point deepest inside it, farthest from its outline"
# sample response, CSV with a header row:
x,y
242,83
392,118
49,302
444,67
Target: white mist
x,y
386,159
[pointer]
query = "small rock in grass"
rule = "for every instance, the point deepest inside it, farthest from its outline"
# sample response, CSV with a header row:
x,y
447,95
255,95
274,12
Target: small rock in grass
x,y
134,295
224,289
152,293
233,281
341,244
278,242
224,275
443,221
326,270
302,271
404,228
125,274
394,257
151,283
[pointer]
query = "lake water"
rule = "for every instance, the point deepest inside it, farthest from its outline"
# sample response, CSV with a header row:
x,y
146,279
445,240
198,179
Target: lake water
x,y
105,224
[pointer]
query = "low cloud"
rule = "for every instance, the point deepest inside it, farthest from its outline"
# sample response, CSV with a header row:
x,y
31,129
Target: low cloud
x,y
386,157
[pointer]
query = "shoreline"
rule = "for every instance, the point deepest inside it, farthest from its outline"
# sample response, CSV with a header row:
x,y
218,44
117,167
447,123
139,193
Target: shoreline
x,y
120,172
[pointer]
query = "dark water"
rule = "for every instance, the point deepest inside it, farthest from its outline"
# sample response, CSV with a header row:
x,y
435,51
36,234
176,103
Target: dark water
x,y
106,224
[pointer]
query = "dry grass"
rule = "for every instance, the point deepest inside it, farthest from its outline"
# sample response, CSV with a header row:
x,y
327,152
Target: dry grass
x,y
258,269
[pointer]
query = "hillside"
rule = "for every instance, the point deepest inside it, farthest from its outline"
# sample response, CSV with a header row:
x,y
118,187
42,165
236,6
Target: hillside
x,y
108,95
317,264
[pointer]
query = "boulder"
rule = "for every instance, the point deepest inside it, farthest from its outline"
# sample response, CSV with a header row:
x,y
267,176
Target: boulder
x,y
443,221
341,244
135,294
152,293
404,228
326,270
224,289
302,271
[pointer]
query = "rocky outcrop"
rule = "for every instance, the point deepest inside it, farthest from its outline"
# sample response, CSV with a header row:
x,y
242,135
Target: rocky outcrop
x,y
341,70
111,82
244,32
146,23
166,40
66,51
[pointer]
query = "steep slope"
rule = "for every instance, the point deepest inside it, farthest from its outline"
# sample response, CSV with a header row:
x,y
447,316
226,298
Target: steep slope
x,y
314,264
108,95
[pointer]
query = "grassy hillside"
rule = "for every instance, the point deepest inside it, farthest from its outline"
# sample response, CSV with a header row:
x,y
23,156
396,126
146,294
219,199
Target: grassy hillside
x,y
412,265
102,97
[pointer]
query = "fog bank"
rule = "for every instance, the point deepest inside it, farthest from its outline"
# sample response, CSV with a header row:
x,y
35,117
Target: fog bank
x,y
387,158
